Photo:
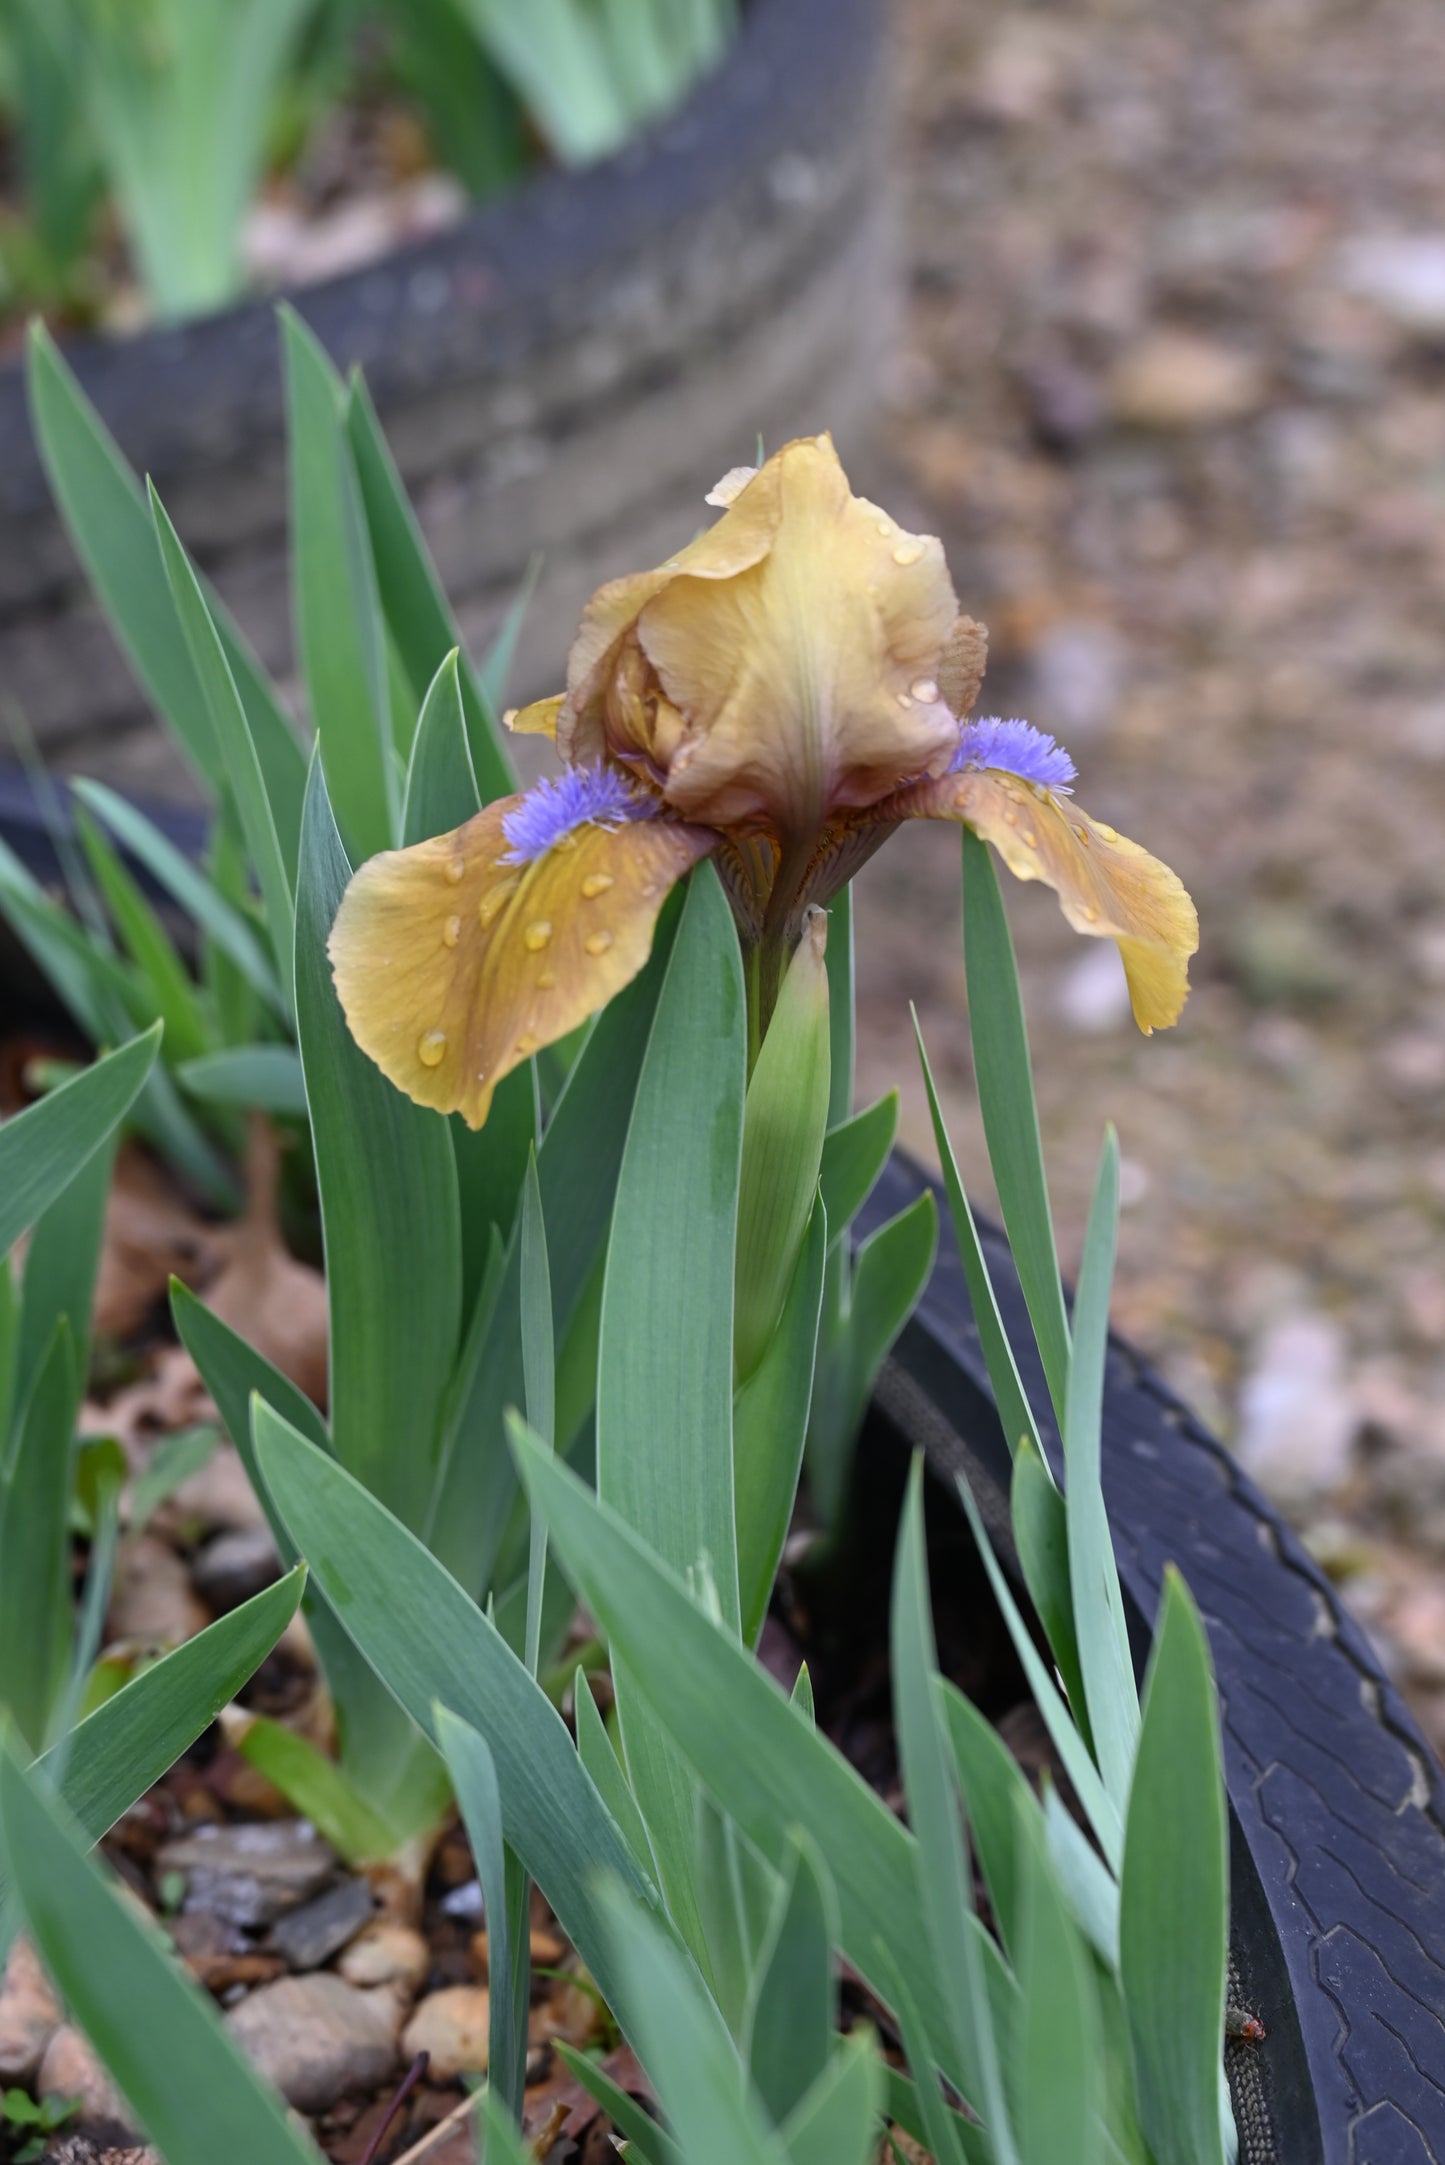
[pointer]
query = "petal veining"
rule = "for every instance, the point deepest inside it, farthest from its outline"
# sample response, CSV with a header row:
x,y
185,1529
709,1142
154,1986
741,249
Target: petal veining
x,y
808,682
454,963
1108,887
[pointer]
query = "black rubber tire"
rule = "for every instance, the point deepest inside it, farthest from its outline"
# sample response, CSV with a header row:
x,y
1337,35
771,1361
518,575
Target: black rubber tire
x,y
567,371
1337,1802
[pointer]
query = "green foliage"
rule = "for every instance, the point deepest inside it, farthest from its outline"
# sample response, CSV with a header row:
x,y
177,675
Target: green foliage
x,y
589,1348
174,109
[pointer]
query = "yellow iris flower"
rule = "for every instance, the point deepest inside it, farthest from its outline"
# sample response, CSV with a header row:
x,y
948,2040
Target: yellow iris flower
x,y
779,696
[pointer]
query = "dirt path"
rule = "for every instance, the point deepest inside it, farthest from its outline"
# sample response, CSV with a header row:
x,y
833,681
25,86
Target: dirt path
x,y
1173,392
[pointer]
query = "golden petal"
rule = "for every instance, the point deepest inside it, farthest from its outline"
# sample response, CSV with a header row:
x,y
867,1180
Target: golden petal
x,y
537,720
1107,886
808,677
454,966
736,541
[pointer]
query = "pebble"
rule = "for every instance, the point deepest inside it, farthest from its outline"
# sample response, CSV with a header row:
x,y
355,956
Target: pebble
x,y
384,1953
1297,1419
1174,380
250,1874
29,2015
1401,274
218,1497
152,1598
315,2038
451,2027
1093,993
310,1935
235,1565
71,2068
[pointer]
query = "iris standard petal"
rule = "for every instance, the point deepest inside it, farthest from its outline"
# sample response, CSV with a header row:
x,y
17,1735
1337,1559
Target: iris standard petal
x,y
537,720
808,681
1107,886
733,544
454,962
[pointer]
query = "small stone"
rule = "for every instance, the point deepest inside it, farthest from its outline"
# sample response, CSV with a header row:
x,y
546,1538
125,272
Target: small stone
x,y
250,1874
29,2015
315,2038
233,1566
451,2027
309,1936
384,1953
1297,1418
151,1598
218,1497
1177,380
1093,993
70,2068
1401,274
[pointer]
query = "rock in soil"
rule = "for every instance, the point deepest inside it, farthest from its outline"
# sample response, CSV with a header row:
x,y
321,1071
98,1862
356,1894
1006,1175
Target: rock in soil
x,y
29,2015
219,1495
1296,1417
250,1874
70,2068
309,1936
233,1566
152,1599
315,2038
384,1953
451,2027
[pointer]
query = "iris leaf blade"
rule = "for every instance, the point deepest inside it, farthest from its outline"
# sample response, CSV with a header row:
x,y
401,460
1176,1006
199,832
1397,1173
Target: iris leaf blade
x,y
1010,1116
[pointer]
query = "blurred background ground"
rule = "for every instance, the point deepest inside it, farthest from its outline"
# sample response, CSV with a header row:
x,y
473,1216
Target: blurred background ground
x,y
1172,390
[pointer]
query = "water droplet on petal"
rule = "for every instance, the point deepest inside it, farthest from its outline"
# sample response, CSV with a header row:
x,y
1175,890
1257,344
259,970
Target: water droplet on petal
x,y
904,700
597,883
1091,913
537,934
546,980
885,527
566,841
908,552
526,1043
1031,838
1084,836
597,943
1105,833
1011,816
455,871
431,1048
924,690
960,796
451,932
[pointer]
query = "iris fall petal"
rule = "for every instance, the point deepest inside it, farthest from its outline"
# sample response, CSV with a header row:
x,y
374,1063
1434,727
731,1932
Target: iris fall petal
x,y
454,965
1107,886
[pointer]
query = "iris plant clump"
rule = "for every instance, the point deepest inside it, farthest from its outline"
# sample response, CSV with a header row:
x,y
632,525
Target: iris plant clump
x,y
576,1065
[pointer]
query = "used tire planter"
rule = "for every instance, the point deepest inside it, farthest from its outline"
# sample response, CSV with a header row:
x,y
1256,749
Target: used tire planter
x,y
565,371
1337,1804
